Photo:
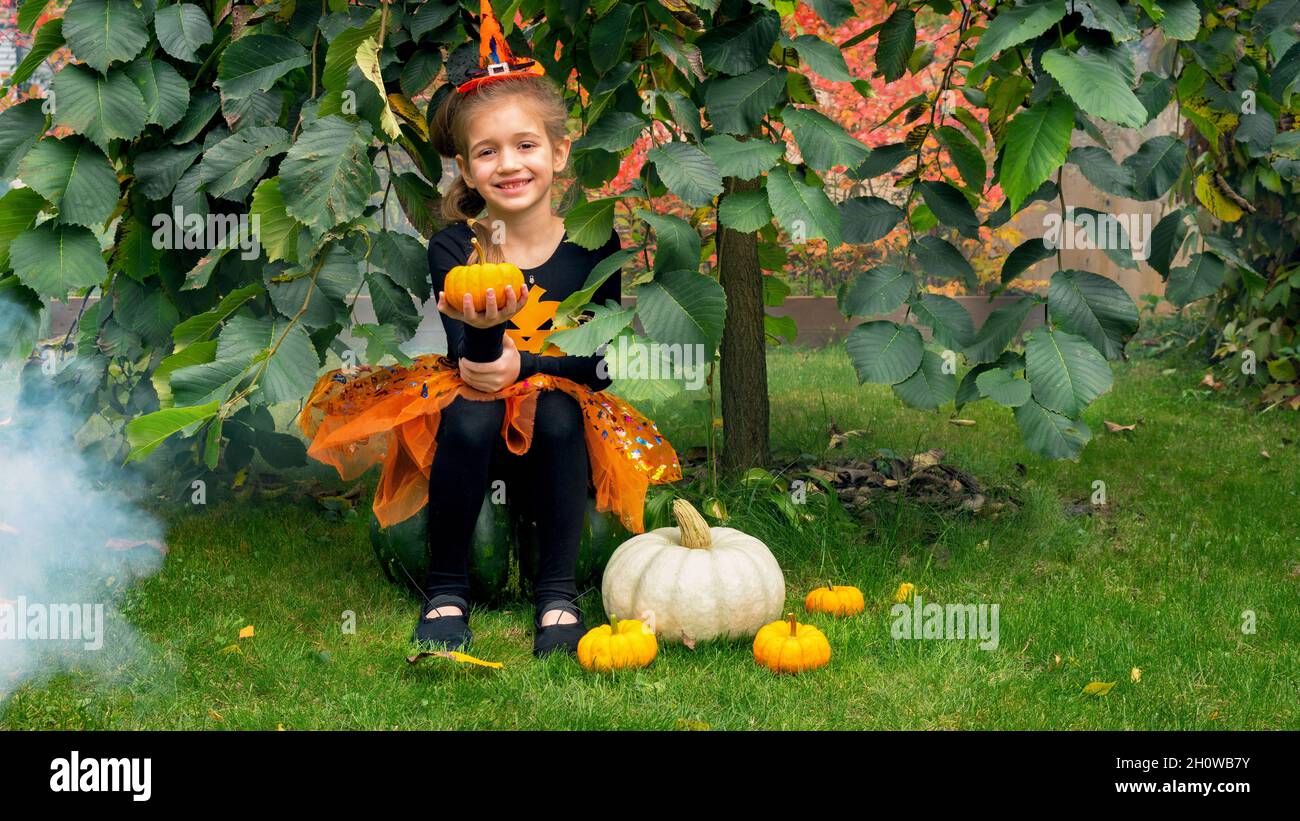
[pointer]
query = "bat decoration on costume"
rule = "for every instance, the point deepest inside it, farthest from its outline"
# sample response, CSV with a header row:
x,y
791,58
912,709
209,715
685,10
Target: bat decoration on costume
x,y
494,58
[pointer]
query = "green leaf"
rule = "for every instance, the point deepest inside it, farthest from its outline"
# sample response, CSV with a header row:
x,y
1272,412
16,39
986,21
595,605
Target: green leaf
x,y
803,210
1050,434
1112,17
868,219
1097,85
429,16
1093,307
1167,240
833,12
896,40
929,387
677,243
182,30
585,339
276,230
823,142
404,258
255,62
876,291
590,223
1017,25
21,126
1199,278
884,352
1066,372
201,326
614,131
1003,387
325,296
158,171
103,32
21,307
1023,257
53,259
103,108
241,158
965,155
1156,166
48,40
882,159
1037,142
951,324
393,305
368,64
613,32
291,370
419,202
951,207
29,11
822,57
75,177
1001,327
1182,19
327,177
1100,169
742,159
688,172
166,94
939,258
146,433
737,104
740,46
682,307
202,107
573,304
18,210
745,211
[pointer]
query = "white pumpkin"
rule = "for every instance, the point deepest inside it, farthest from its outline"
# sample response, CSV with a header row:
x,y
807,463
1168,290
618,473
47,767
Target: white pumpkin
x,y
698,582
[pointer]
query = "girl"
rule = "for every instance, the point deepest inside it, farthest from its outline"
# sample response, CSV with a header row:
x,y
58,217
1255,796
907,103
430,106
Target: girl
x,y
497,404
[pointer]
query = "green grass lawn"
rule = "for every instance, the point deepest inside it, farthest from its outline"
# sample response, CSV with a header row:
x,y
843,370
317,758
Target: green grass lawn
x,y
1201,528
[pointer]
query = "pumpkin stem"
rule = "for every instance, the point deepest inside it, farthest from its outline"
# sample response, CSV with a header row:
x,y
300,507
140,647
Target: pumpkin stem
x,y
793,624
695,531
830,586
478,248
613,624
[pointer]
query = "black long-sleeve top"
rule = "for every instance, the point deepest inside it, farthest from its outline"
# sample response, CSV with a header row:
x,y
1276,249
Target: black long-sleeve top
x,y
565,272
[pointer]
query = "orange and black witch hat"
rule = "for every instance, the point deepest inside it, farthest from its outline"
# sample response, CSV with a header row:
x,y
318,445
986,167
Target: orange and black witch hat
x,y
494,57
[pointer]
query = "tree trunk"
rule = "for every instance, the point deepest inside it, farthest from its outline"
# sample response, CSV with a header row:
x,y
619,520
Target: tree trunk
x,y
744,345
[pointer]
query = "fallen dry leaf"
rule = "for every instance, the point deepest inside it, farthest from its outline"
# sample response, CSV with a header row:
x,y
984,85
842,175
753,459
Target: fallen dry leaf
x,y
1115,427
692,724
230,648
1099,688
964,423
247,632
1135,675
216,715
1210,382
905,592
1265,454
454,655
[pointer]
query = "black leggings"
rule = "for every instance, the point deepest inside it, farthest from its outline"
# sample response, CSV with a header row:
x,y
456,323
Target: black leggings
x,y
550,480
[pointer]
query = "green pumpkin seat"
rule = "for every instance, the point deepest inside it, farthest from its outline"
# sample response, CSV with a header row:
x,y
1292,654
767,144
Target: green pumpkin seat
x,y
504,540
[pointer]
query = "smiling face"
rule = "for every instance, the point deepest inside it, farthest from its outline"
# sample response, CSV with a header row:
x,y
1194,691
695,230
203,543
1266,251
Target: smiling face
x,y
511,162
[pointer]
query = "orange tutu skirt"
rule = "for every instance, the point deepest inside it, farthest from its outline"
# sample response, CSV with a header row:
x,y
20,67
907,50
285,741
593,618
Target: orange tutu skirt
x,y
356,417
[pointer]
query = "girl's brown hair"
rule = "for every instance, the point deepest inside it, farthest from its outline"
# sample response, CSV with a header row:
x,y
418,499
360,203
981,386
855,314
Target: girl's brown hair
x,y
449,132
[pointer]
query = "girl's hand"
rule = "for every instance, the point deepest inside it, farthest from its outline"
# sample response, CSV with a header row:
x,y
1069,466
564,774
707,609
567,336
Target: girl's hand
x,y
492,315
491,377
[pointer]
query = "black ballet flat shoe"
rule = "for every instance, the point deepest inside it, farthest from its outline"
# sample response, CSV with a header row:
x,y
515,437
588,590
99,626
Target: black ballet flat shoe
x,y
450,632
557,636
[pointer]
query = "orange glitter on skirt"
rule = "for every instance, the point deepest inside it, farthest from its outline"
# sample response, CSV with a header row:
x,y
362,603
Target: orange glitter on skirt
x,y
356,417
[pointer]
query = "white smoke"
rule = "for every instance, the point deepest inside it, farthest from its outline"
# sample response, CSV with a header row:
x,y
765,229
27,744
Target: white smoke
x,y
73,540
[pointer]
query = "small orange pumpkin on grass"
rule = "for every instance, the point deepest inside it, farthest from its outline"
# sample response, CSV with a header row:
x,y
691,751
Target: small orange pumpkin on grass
x,y
619,645
836,599
790,647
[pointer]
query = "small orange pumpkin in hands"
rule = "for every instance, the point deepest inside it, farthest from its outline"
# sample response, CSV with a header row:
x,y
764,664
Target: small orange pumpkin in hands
x,y
790,647
477,278
836,599
618,645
